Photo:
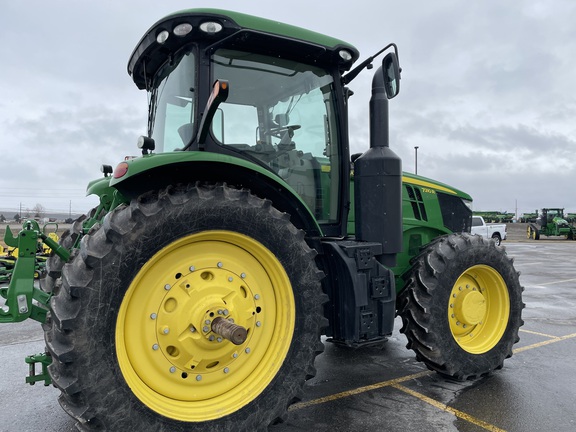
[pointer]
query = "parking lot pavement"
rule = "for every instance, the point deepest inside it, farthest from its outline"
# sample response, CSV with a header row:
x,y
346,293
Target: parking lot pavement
x,y
384,388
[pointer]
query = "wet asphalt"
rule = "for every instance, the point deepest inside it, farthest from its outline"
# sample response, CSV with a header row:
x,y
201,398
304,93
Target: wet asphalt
x,y
384,388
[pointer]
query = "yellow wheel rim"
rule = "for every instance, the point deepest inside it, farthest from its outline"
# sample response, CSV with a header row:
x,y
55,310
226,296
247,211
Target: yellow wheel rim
x,y
478,309
528,232
167,352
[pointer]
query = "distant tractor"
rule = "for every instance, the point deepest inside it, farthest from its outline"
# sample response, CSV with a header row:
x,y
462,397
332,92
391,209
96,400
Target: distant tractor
x,y
551,222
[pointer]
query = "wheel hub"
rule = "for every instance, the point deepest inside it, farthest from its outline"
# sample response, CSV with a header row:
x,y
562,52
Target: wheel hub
x,y
183,328
470,306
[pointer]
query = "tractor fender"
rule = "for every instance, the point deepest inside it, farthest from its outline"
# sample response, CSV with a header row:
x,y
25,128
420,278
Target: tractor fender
x,y
134,177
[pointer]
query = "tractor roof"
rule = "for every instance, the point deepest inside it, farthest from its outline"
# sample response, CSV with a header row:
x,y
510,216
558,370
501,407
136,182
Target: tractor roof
x,y
235,30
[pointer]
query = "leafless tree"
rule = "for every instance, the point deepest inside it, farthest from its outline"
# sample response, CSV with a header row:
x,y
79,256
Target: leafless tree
x,y
39,211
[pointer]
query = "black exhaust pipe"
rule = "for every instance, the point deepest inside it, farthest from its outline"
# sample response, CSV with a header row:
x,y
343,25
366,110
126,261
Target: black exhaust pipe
x,y
378,182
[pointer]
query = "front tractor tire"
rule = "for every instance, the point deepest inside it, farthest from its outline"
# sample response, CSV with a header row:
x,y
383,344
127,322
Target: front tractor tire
x,y
532,233
138,337
461,308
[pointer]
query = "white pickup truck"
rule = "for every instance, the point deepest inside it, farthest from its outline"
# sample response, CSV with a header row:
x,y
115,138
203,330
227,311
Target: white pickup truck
x,y
493,231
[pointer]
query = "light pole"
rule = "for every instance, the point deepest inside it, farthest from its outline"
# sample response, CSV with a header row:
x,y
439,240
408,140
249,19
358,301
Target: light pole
x,y
416,160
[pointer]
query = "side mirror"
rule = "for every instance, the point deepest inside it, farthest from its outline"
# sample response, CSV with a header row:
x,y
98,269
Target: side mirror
x,y
391,71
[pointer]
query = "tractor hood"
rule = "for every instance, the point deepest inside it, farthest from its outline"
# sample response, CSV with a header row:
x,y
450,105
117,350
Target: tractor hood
x,y
434,185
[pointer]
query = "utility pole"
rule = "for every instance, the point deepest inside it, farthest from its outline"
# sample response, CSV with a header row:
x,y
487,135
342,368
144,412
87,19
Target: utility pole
x,y
416,160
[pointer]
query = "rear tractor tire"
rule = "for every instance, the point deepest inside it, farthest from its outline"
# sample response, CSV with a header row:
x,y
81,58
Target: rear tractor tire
x,y
197,308
461,308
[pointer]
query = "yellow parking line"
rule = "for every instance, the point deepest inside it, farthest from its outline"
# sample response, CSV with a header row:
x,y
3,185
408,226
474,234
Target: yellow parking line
x,y
395,383
539,334
543,343
448,409
557,282
356,391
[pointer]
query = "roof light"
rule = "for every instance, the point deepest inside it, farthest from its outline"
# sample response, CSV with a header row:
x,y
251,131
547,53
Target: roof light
x,y
162,36
146,144
210,27
182,29
106,169
345,55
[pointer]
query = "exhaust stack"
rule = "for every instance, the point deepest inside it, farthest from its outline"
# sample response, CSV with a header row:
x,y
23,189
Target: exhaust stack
x,y
378,181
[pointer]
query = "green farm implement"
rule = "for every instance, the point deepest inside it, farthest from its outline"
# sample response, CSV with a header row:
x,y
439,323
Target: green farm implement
x,y
8,256
194,296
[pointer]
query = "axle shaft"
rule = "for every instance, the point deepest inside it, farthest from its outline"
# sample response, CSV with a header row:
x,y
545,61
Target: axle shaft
x,y
228,330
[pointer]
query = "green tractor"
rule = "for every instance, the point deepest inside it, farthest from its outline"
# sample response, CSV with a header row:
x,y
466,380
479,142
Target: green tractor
x,y
194,296
551,223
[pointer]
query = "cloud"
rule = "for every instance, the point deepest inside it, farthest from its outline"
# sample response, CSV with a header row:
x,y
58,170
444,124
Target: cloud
x,y
487,90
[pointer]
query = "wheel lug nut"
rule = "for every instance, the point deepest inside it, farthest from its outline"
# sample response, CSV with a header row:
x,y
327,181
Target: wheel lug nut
x,y
225,312
258,323
207,322
172,369
230,279
257,296
155,347
211,338
205,329
192,268
226,370
242,275
247,350
167,287
198,377
153,316
219,265
166,330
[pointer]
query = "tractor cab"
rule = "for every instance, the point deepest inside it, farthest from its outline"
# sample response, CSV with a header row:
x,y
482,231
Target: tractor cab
x,y
284,108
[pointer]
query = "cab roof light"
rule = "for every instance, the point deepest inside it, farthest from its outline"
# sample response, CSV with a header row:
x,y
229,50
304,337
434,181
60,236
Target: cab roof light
x,y
345,55
182,29
162,37
211,27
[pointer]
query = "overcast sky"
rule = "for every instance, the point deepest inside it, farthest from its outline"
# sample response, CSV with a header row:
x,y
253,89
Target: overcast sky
x,y
487,94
